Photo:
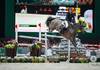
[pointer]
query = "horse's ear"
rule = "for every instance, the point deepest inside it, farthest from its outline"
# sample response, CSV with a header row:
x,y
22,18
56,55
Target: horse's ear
x,y
47,21
50,18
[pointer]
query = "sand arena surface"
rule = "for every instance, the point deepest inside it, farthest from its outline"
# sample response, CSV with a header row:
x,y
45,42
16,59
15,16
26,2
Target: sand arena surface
x,y
49,66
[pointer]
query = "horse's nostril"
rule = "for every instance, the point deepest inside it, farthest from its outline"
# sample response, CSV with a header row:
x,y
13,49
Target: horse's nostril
x,y
47,29
50,30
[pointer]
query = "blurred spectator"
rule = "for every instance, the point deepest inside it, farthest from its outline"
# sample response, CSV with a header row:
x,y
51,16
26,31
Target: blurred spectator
x,y
22,1
1,44
24,9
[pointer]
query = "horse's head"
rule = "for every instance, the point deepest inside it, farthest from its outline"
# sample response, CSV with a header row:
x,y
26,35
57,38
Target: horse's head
x,y
49,24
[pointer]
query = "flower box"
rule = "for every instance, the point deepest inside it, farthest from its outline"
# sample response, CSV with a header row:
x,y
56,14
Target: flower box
x,y
10,50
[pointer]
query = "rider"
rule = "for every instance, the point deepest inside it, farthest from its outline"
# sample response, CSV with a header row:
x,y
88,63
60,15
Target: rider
x,y
70,16
62,14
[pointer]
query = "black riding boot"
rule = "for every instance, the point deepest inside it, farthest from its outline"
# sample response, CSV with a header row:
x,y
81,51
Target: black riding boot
x,y
63,30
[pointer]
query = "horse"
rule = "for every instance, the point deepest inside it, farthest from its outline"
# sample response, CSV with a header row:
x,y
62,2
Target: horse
x,y
70,32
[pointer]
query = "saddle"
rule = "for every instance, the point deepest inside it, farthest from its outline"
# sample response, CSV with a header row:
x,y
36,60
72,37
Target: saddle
x,y
65,27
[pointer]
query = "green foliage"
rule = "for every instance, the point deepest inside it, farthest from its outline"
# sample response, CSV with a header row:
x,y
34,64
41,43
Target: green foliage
x,y
36,46
23,60
38,60
9,46
80,60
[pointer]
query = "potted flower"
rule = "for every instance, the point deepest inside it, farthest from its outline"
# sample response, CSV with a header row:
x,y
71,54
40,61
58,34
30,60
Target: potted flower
x,y
10,49
36,49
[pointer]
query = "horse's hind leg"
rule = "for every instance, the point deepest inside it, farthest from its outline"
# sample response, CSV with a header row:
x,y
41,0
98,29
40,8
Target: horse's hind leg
x,y
73,40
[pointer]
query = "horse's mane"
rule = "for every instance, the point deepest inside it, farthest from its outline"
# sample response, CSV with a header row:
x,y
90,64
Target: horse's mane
x,y
49,19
